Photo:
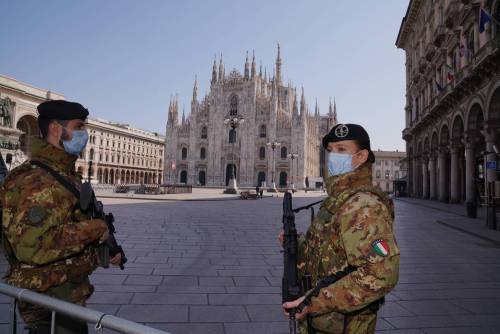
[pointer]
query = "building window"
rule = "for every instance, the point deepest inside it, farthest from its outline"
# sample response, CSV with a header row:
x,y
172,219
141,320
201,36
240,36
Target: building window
x,y
202,153
387,163
387,174
378,163
262,153
184,153
232,136
204,132
284,152
91,154
396,175
263,131
233,106
377,174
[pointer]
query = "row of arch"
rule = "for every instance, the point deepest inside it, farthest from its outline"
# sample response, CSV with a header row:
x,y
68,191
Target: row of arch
x,y
448,162
116,176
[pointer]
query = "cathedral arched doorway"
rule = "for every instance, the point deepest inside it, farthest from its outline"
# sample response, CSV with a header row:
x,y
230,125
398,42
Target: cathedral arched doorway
x,y
283,179
261,179
229,171
184,177
202,178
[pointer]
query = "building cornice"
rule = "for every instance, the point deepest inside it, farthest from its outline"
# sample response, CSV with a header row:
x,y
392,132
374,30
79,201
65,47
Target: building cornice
x,y
407,23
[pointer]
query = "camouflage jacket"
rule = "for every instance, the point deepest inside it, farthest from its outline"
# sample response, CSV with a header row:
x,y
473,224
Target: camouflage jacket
x,y
49,241
353,227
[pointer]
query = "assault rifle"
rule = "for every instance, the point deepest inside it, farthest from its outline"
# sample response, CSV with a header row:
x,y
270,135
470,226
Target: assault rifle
x,y
89,203
291,289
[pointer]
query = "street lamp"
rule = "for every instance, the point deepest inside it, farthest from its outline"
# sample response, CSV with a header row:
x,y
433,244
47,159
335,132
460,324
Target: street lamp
x,y
273,145
233,122
292,157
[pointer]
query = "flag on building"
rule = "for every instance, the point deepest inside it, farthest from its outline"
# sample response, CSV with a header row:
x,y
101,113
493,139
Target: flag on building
x,y
484,19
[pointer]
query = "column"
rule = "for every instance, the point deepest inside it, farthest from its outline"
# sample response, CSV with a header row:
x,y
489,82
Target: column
x,y
415,177
455,176
433,176
442,175
470,187
425,177
490,138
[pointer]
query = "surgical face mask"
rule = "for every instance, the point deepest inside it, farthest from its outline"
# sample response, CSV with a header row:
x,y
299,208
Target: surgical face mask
x,y
77,143
340,163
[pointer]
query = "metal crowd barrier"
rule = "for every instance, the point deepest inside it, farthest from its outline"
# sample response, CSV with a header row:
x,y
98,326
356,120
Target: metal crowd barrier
x,y
99,319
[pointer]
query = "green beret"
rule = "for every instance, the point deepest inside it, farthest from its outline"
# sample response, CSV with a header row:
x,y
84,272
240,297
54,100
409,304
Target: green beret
x,y
62,110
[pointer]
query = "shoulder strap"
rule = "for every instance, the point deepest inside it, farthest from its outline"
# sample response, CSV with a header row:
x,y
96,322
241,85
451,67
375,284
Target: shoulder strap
x,y
61,179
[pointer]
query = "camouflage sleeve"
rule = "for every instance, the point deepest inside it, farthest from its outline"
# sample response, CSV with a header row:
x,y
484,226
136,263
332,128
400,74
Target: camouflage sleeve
x,y
40,232
370,245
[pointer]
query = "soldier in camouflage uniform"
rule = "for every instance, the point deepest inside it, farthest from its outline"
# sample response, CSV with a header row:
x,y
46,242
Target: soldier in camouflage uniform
x,y
353,229
49,243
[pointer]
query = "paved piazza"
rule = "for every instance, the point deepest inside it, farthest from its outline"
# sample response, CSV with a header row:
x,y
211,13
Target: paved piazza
x,y
214,267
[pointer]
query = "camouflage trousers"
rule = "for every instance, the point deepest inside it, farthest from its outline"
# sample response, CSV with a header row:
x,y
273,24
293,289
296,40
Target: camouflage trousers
x,y
38,318
336,323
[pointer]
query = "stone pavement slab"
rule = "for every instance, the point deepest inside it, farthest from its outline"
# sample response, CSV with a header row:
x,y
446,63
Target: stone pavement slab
x,y
215,267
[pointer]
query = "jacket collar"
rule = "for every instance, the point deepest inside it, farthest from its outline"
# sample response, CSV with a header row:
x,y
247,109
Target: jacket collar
x,y
360,177
56,158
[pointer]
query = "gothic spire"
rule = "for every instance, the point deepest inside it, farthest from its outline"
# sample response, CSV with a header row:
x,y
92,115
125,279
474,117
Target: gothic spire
x,y
316,108
175,110
260,71
330,109
278,65
247,68
335,111
169,117
214,71
295,104
303,104
221,70
253,65
195,89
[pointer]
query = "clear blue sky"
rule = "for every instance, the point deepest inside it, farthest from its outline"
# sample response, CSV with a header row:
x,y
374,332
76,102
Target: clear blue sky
x,y
123,59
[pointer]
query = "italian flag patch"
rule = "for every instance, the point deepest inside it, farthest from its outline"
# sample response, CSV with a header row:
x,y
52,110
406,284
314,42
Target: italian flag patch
x,y
380,247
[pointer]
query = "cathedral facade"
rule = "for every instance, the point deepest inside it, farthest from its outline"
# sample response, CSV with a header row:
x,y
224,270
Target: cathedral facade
x,y
202,149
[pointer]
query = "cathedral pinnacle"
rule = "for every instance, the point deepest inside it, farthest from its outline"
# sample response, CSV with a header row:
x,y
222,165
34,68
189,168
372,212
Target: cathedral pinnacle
x,y
195,89
254,70
278,65
247,70
214,71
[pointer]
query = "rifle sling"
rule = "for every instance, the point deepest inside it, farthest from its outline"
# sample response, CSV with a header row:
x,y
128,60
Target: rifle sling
x,y
61,179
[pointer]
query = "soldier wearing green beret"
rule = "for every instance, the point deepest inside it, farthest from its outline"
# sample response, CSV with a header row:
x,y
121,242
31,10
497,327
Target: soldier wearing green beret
x,y
352,234
49,243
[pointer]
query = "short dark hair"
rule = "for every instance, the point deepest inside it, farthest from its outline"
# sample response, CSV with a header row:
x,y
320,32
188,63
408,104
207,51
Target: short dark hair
x,y
43,125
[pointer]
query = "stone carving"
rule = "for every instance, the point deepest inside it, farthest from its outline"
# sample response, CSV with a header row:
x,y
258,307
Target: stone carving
x,y
6,110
